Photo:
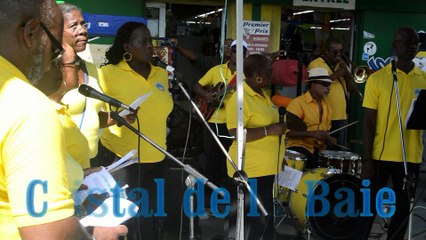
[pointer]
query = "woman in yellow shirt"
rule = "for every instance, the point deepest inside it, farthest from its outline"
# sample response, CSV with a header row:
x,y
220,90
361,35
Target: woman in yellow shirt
x,y
264,154
76,144
127,75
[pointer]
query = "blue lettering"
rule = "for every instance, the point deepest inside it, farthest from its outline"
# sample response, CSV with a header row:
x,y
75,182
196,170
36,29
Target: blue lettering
x,y
381,200
366,198
199,192
116,192
215,201
30,198
253,203
349,202
160,198
142,202
310,207
94,201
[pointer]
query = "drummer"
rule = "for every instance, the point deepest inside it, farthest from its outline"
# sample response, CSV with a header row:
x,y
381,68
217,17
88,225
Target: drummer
x,y
315,112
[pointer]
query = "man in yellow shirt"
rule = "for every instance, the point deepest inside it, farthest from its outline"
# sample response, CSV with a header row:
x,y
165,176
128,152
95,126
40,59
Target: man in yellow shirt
x,y
314,110
383,157
215,159
34,203
342,83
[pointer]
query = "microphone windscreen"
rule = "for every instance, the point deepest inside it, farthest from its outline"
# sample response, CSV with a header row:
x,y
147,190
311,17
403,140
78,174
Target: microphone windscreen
x,y
84,89
155,61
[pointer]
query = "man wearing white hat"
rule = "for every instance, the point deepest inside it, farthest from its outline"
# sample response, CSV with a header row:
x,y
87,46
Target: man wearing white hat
x,y
315,112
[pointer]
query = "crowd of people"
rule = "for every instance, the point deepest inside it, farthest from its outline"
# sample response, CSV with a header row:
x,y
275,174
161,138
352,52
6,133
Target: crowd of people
x,y
54,136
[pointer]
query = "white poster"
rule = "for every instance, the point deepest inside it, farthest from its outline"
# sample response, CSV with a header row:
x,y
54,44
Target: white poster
x,y
343,4
256,34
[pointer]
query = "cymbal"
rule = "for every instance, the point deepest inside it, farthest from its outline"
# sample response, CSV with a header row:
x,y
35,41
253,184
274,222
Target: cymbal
x,y
295,123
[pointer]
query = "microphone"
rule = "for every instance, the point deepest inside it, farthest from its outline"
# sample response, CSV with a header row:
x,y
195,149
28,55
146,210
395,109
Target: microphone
x,y
393,66
156,61
90,92
282,111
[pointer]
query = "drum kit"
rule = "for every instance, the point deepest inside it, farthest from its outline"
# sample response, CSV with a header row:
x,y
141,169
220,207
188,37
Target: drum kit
x,y
337,169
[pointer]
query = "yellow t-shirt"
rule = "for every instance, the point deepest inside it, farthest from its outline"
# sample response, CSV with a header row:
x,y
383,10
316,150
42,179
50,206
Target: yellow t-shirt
x,y
31,149
121,82
261,156
377,96
337,96
75,142
218,74
84,111
306,108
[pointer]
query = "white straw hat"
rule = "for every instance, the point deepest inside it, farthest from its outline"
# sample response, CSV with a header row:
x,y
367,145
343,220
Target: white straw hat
x,y
319,74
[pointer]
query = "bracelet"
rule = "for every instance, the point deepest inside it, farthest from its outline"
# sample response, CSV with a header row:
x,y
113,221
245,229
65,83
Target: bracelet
x,y
265,131
76,62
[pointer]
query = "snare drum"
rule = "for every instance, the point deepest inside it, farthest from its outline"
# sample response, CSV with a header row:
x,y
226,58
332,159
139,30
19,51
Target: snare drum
x,y
328,226
294,160
346,162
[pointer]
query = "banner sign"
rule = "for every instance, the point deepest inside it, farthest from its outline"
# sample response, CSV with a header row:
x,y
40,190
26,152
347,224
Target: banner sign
x,y
342,4
256,34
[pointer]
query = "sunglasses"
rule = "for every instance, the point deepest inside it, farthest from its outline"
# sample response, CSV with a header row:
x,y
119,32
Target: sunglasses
x,y
57,49
324,84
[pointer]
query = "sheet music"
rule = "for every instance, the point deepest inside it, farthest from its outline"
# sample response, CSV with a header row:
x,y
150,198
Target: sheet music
x,y
135,104
289,178
102,181
97,183
104,215
123,162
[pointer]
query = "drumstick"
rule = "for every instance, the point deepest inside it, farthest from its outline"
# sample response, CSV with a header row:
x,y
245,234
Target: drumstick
x,y
348,125
340,146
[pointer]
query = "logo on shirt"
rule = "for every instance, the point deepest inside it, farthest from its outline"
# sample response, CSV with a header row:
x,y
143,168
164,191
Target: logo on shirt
x,y
160,86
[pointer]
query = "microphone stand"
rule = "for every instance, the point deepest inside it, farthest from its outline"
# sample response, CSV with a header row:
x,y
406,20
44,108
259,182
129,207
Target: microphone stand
x,y
239,176
190,170
406,185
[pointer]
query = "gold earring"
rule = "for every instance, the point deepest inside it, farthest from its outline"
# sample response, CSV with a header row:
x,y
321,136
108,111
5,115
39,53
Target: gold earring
x,y
127,56
259,80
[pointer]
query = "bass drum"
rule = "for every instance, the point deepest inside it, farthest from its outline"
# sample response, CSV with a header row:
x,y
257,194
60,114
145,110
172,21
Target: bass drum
x,y
328,226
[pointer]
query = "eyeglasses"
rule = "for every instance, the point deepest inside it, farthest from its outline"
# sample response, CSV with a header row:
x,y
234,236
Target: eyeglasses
x,y
57,49
84,25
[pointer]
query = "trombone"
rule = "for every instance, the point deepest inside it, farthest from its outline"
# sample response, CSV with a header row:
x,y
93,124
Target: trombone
x,y
360,73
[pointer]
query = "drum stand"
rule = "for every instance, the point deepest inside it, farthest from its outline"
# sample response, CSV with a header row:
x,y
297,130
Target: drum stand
x,y
408,183
240,176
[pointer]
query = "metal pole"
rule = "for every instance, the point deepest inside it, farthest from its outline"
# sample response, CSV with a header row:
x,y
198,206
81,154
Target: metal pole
x,y
406,185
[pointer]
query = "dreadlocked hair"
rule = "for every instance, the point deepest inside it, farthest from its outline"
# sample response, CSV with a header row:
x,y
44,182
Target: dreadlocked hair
x,y
114,54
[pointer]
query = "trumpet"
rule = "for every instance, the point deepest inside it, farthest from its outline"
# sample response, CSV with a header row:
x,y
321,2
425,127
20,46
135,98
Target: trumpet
x,y
360,73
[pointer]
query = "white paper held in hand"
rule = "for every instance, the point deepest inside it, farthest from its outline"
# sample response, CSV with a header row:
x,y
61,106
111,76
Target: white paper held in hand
x,y
106,216
135,104
122,162
97,183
